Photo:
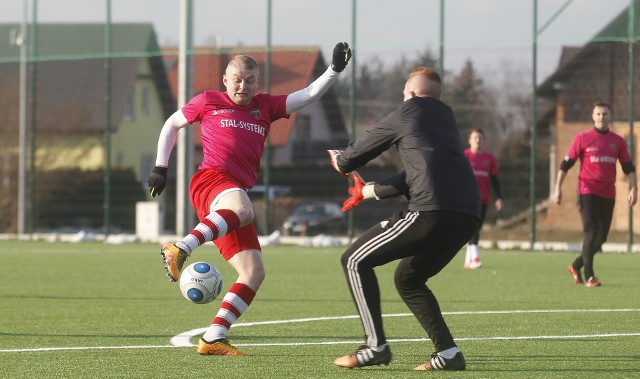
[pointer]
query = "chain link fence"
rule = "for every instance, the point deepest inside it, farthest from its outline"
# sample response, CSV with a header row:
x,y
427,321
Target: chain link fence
x,y
82,110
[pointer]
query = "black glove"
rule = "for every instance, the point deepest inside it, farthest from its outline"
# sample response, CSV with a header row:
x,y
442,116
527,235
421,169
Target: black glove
x,y
157,180
341,56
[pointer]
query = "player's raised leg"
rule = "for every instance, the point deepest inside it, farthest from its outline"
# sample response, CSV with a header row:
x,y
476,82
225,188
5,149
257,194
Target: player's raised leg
x,y
215,225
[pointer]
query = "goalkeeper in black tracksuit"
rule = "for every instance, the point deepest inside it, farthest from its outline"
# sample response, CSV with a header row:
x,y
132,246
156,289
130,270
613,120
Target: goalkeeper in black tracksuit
x,y
442,215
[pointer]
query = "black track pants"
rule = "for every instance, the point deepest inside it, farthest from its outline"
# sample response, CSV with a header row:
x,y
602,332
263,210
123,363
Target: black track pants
x,y
424,242
596,212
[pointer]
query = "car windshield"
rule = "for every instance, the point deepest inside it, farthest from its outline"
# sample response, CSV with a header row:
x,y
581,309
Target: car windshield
x,y
307,210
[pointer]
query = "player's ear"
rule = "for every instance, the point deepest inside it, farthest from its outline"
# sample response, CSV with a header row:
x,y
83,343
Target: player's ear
x,y
224,79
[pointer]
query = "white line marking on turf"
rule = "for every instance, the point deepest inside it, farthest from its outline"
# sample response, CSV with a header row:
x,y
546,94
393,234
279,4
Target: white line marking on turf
x,y
322,343
426,339
183,339
85,348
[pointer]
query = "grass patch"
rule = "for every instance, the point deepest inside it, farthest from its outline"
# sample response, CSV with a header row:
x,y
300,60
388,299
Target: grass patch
x,y
108,311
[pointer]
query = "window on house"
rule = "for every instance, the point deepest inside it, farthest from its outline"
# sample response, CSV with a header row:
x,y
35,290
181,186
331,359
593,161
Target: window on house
x,y
303,128
302,144
129,108
147,162
119,161
144,101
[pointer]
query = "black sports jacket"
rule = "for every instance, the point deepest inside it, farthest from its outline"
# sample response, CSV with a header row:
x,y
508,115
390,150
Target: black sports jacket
x,y
437,175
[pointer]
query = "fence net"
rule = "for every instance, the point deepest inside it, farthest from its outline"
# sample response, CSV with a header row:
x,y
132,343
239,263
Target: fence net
x,y
83,101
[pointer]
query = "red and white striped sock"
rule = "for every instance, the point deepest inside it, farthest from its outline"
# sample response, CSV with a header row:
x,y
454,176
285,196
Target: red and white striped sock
x,y
214,226
233,305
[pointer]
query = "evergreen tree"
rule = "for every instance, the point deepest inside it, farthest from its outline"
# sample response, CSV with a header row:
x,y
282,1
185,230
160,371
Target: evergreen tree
x,y
472,105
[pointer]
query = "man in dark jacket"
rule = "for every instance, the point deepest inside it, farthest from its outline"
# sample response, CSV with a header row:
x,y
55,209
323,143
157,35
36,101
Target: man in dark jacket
x,y
443,213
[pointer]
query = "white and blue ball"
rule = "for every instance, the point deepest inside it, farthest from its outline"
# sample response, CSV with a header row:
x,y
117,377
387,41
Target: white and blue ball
x,y
200,283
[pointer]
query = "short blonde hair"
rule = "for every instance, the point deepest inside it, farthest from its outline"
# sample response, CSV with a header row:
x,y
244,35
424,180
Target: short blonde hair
x,y
429,72
244,62
424,81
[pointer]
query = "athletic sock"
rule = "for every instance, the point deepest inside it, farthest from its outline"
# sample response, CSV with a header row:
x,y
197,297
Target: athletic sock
x,y
214,226
380,348
467,257
233,305
474,253
449,353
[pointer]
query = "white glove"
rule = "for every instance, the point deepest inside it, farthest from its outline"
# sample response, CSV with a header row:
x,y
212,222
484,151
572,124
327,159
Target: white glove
x,y
333,155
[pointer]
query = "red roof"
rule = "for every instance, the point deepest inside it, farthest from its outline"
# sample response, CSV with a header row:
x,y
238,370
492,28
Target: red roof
x,y
291,69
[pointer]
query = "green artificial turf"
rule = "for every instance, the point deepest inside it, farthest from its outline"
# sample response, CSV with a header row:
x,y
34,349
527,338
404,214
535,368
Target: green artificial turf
x,y
95,310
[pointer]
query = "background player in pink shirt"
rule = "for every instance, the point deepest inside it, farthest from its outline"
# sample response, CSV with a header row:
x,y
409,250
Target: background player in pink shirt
x,y
598,150
234,128
485,169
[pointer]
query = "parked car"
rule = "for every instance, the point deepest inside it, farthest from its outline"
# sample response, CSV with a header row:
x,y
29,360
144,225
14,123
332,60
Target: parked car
x,y
257,192
310,219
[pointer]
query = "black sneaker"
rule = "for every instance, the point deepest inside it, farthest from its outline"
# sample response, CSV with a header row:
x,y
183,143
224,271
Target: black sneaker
x,y
457,363
365,356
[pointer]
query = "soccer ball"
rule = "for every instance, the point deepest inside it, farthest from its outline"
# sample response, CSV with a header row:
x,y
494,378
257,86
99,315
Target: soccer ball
x,y
200,283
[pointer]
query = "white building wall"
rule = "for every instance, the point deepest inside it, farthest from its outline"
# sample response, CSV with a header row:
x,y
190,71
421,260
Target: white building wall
x,y
320,131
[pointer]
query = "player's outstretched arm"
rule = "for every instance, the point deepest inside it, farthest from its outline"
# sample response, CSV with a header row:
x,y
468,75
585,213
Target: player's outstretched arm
x,y
306,96
157,180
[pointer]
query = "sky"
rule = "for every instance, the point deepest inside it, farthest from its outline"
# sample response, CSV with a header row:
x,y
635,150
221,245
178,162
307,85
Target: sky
x,y
493,34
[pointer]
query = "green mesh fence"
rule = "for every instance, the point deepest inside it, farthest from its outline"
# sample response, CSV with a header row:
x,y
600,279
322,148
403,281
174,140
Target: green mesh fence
x,y
65,109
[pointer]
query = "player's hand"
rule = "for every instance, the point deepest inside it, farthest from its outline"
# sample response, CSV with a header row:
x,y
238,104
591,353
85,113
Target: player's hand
x,y
557,196
333,155
341,56
355,192
157,180
633,196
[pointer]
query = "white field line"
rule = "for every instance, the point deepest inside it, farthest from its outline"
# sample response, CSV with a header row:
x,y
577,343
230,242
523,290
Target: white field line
x,y
183,339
